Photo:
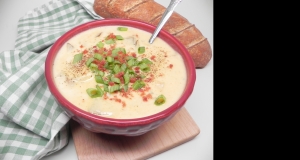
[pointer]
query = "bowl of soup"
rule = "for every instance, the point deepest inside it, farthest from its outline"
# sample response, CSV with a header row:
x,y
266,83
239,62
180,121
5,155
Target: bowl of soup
x,y
106,76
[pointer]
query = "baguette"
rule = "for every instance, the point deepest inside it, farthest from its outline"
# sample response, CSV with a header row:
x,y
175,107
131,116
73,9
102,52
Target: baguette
x,y
151,12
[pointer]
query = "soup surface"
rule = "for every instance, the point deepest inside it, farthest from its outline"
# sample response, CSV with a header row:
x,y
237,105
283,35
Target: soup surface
x,y
113,71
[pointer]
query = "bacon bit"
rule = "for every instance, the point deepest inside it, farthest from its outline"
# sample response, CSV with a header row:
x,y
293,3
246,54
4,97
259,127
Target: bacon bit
x,y
81,46
105,96
126,94
119,75
118,100
100,64
101,50
111,36
132,79
138,77
145,99
85,51
133,55
152,58
146,89
148,96
137,68
111,83
143,93
150,79
121,57
113,46
171,66
122,80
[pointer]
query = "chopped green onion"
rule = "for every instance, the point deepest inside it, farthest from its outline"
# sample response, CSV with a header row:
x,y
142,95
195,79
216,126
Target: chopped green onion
x,y
105,87
131,72
93,67
123,50
125,87
100,44
161,99
117,69
114,88
89,61
117,50
144,67
131,62
129,58
100,91
141,50
117,62
110,67
142,76
119,37
105,82
138,85
98,56
77,58
116,80
126,77
109,59
100,73
99,79
123,67
110,41
122,28
146,60
114,54
93,92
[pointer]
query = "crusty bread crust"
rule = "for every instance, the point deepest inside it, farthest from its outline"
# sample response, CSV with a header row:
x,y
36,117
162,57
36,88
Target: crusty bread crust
x,y
151,12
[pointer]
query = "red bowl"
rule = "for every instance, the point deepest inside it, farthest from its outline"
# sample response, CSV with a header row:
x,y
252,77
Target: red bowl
x,y
127,127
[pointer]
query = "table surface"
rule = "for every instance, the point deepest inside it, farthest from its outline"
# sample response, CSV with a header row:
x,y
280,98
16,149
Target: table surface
x,y
200,105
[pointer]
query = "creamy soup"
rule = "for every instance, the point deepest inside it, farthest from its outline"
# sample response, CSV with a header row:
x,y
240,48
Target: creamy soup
x,y
114,72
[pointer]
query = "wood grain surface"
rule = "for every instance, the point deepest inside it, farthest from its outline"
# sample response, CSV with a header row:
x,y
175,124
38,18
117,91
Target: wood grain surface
x,y
90,146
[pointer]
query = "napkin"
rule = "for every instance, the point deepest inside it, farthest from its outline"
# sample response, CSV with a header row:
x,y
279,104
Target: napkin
x,y
32,124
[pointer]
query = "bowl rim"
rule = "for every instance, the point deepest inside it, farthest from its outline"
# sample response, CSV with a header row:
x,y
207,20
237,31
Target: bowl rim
x,y
76,111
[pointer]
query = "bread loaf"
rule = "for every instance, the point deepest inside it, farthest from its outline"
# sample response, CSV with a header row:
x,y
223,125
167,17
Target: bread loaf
x,y
151,12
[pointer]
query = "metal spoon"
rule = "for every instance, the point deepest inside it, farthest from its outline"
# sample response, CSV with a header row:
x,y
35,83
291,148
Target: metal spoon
x,y
164,18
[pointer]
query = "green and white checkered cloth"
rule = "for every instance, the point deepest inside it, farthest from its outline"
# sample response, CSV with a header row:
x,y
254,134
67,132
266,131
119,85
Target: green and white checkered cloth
x,y
32,125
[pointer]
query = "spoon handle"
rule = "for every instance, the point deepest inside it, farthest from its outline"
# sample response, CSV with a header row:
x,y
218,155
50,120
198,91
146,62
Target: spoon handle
x,y
164,18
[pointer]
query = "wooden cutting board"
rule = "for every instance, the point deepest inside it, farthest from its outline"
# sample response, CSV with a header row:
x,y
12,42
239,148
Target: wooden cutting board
x,y
90,146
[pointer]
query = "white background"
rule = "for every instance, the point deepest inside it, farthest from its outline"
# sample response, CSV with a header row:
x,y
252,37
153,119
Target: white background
x,y
200,105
